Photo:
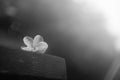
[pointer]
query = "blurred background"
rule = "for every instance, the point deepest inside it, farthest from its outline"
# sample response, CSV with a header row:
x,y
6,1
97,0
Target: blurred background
x,y
76,30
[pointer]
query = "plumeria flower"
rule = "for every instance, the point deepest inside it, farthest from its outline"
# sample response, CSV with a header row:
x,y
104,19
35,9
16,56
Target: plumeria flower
x,y
34,45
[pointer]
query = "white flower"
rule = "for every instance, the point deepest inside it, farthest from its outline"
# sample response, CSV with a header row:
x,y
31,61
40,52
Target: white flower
x,y
34,45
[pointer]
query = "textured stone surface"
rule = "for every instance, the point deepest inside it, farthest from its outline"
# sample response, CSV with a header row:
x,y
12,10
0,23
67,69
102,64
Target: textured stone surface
x,y
28,63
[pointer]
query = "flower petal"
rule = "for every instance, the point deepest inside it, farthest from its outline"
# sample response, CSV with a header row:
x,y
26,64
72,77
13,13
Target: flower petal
x,y
41,47
28,41
37,39
26,48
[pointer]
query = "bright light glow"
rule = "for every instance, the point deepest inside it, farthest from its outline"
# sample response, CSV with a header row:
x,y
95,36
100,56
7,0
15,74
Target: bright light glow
x,y
111,11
